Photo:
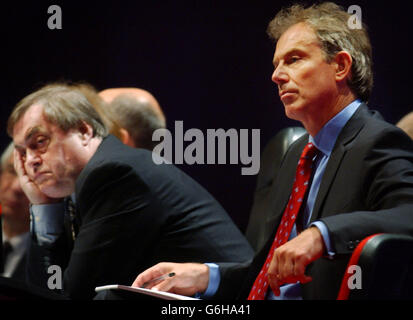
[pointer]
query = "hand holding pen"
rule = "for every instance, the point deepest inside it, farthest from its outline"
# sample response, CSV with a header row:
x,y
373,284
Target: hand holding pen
x,y
158,279
186,279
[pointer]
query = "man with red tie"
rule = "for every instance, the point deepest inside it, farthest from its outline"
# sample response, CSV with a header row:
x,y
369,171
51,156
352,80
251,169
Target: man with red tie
x,y
350,177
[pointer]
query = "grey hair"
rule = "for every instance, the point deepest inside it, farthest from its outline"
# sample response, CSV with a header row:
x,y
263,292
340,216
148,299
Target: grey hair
x,y
63,106
330,24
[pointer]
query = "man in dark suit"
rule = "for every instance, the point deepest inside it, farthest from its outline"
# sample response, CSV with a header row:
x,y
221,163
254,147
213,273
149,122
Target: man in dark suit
x,y
15,219
361,181
129,212
138,114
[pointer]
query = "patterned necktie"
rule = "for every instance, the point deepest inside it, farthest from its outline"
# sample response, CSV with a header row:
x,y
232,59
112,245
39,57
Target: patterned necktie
x,y
70,221
301,181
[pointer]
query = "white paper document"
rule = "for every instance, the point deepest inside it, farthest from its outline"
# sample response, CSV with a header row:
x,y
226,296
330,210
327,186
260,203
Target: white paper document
x,y
154,293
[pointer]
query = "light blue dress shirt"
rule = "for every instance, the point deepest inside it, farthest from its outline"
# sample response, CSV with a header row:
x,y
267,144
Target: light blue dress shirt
x,y
47,221
324,141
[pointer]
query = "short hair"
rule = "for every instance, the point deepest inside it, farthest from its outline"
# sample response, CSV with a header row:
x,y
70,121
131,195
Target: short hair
x,y
63,106
5,156
330,24
138,117
90,92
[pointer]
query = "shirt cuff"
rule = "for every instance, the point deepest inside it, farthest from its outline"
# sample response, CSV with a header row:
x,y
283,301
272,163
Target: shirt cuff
x,y
326,237
213,283
47,221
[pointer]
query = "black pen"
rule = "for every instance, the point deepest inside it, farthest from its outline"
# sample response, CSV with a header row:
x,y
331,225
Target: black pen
x,y
168,275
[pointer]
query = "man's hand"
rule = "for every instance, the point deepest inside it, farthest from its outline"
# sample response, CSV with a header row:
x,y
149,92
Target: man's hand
x,y
290,260
189,279
31,190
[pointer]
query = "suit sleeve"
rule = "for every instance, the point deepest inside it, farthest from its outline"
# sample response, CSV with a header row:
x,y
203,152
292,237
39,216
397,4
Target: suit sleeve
x,y
233,280
387,190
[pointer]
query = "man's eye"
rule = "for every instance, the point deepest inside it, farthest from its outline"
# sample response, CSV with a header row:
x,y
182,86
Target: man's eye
x,y
293,59
41,143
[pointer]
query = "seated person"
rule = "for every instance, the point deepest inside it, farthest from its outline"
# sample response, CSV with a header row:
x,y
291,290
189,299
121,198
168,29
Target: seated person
x,y
102,210
15,219
350,177
138,114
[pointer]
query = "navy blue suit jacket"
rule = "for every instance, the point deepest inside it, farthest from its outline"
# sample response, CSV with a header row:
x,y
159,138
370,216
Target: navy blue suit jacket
x,y
367,188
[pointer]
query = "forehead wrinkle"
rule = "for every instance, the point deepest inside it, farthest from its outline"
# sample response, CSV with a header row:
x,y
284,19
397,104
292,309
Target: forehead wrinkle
x,y
299,35
31,114
300,46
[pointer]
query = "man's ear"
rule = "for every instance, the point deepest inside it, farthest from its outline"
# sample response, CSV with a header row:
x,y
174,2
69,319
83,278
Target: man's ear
x,y
126,138
343,63
85,132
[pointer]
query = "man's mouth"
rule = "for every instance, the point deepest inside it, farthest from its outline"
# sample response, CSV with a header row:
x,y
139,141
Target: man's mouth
x,y
40,177
286,95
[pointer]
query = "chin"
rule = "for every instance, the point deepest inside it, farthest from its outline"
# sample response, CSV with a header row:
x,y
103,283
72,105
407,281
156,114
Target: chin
x,y
55,192
294,111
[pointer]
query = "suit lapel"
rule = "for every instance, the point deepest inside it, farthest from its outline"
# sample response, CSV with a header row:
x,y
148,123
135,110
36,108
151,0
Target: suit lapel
x,y
348,134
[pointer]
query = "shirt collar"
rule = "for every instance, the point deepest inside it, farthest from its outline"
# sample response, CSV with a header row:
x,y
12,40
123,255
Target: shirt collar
x,y
326,138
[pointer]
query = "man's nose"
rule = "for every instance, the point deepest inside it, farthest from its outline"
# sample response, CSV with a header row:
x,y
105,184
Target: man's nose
x,y
33,159
279,76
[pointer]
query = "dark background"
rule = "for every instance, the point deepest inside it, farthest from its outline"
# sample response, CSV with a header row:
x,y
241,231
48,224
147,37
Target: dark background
x,y
207,62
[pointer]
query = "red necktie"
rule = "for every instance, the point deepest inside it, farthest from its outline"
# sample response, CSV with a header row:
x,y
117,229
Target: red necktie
x,y
301,181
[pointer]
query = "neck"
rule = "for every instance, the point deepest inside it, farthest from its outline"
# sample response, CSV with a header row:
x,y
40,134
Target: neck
x,y
315,122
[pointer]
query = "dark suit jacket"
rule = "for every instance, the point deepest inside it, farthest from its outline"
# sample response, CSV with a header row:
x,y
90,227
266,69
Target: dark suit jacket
x,y
133,214
20,272
367,188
